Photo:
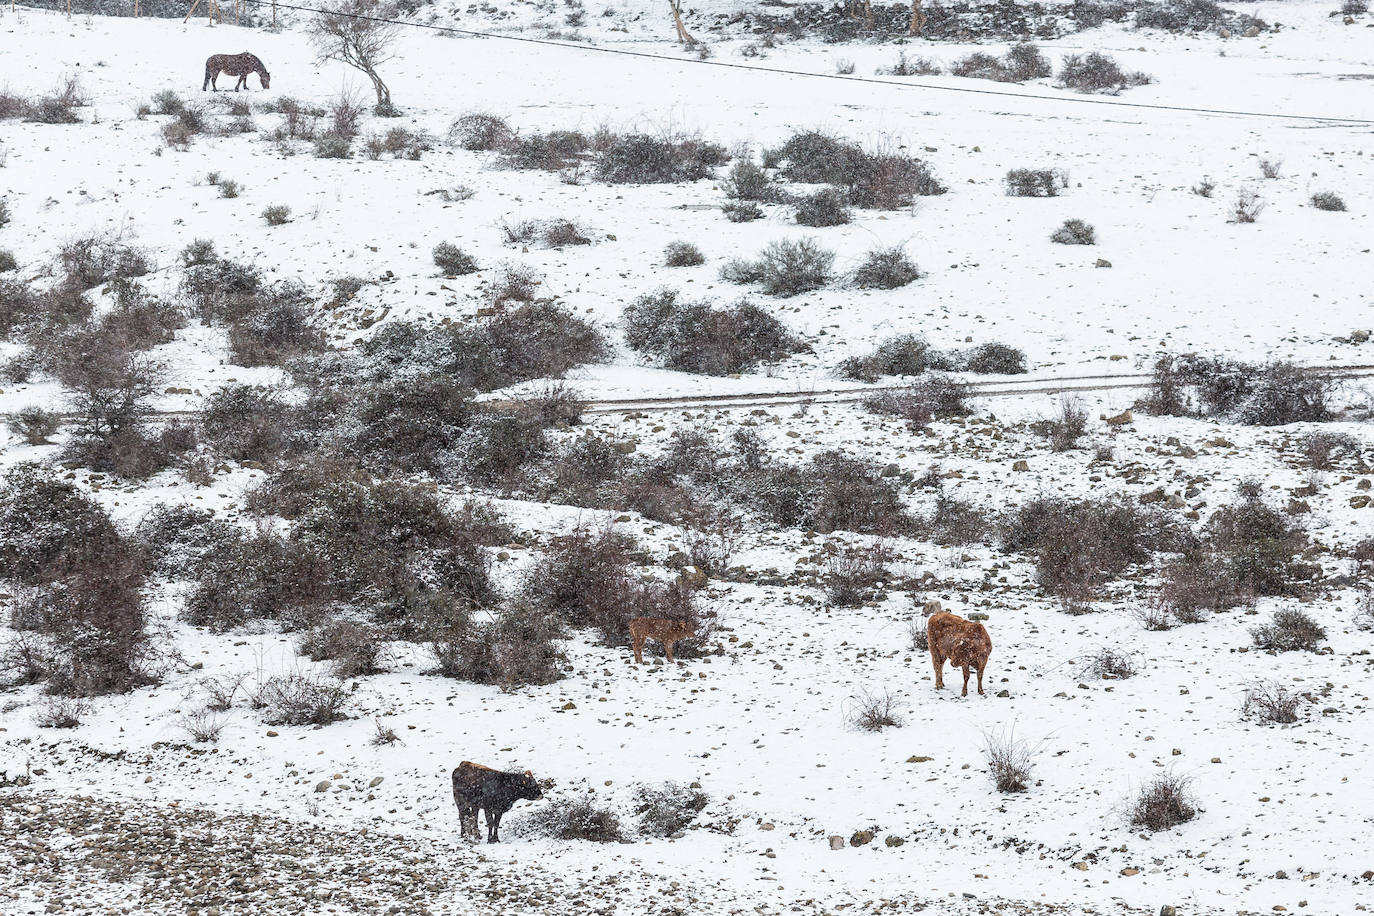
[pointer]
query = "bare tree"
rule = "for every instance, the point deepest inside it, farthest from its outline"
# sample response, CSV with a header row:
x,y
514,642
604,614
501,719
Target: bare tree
x,y
918,18
683,35
359,33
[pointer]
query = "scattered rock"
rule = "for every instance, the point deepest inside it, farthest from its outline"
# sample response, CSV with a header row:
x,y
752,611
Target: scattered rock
x,y
322,785
1022,465
837,842
861,838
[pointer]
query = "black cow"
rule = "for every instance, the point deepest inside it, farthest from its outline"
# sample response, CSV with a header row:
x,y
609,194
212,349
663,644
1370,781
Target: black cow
x,y
476,786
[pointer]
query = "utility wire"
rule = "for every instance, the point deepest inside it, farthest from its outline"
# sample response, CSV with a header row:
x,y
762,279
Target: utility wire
x,y
649,55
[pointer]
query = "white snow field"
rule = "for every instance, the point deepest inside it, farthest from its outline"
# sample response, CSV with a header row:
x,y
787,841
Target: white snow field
x,y
116,806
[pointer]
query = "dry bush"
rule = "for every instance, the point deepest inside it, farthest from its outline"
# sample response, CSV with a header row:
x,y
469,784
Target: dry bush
x,y
60,712
1275,394
554,151
1069,426
1271,168
994,359
551,233
826,207
513,283
923,401
886,268
791,267
668,809
1109,664
1329,201
94,260
872,180
1195,585
1074,232
220,691
50,529
1163,803
954,522
247,423
906,354
517,647
1271,701
1081,544
1097,72
1154,616
643,159
682,254
697,337
481,132
1290,630
301,699
853,572
1036,182
1192,16
354,648
576,819
1257,547
176,540
280,326
1022,62
747,182
384,735
916,633
202,726
1010,761
917,66
276,214
1324,449
873,712
1247,208
59,106
34,424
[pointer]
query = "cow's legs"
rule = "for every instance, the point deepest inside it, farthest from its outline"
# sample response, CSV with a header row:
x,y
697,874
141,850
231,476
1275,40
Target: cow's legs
x,y
493,825
966,673
939,663
207,80
980,680
638,646
668,649
467,820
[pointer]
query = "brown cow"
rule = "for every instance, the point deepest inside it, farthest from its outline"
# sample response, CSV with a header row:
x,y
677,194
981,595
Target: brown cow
x,y
663,629
480,788
963,643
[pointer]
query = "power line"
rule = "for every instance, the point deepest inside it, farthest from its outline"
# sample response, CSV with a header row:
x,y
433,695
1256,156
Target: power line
x,y
649,55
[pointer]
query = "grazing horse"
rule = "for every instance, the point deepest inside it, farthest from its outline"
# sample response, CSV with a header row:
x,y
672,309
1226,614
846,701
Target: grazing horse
x,y
476,787
239,65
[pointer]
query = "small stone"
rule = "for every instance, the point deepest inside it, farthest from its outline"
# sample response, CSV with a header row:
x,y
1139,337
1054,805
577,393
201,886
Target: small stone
x,y
1253,32
915,759
1102,262
1167,910
1153,496
893,841
322,786
1022,465
1129,872
768,825
271,733
1120,419
1216,760
1176,752
861,838
1081,866
837,842
376,781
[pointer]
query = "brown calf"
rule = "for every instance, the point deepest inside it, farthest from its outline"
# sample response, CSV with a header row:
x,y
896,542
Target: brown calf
x,y
664,630
963,643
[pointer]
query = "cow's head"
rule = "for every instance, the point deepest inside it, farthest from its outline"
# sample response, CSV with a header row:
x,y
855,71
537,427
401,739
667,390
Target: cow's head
x,y
266,79
527,787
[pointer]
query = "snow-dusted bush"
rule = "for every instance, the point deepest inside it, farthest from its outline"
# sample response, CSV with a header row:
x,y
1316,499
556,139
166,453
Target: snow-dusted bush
x,y
827,207
354,648
1163,803
645,159
886,268
1329,201
747,182
1022,62
580,818
1074,232
1290,630
1035,182
669,808
280,325
176,540
697,337
276,214
1097,72
34,424
248,423
551,233
853,572
481,132
517,647
906,354
682,254
874,711
882,181
994,359
921,402
94,260
1010,761
301,699
452,260
1262,395
1271,701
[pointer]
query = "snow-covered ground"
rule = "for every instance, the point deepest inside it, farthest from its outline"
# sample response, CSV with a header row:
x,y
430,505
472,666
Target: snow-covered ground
x,y
1287,813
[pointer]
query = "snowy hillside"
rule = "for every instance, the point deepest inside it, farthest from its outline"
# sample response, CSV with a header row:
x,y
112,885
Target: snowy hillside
x,y
372,425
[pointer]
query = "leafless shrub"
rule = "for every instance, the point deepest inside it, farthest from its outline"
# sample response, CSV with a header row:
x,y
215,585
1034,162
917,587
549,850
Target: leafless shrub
x,y
1010,761
481,132
1271,701
301,699
1069,426
1323,449
34,424
1271,168
513,282
1163,803
882,180
854,571
361,34
668,809
1022,62
916,632
220,691
1275,394
1153,616
1097,72
60,712
1036,182
886,268
1247,208
1364,612
921,402
354,648
276,215
682,254
1205,187
697,337
1110,664
383,735
203,726
552,233
916,66
1074,232
576,819
872,712
1329,201
1290,630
